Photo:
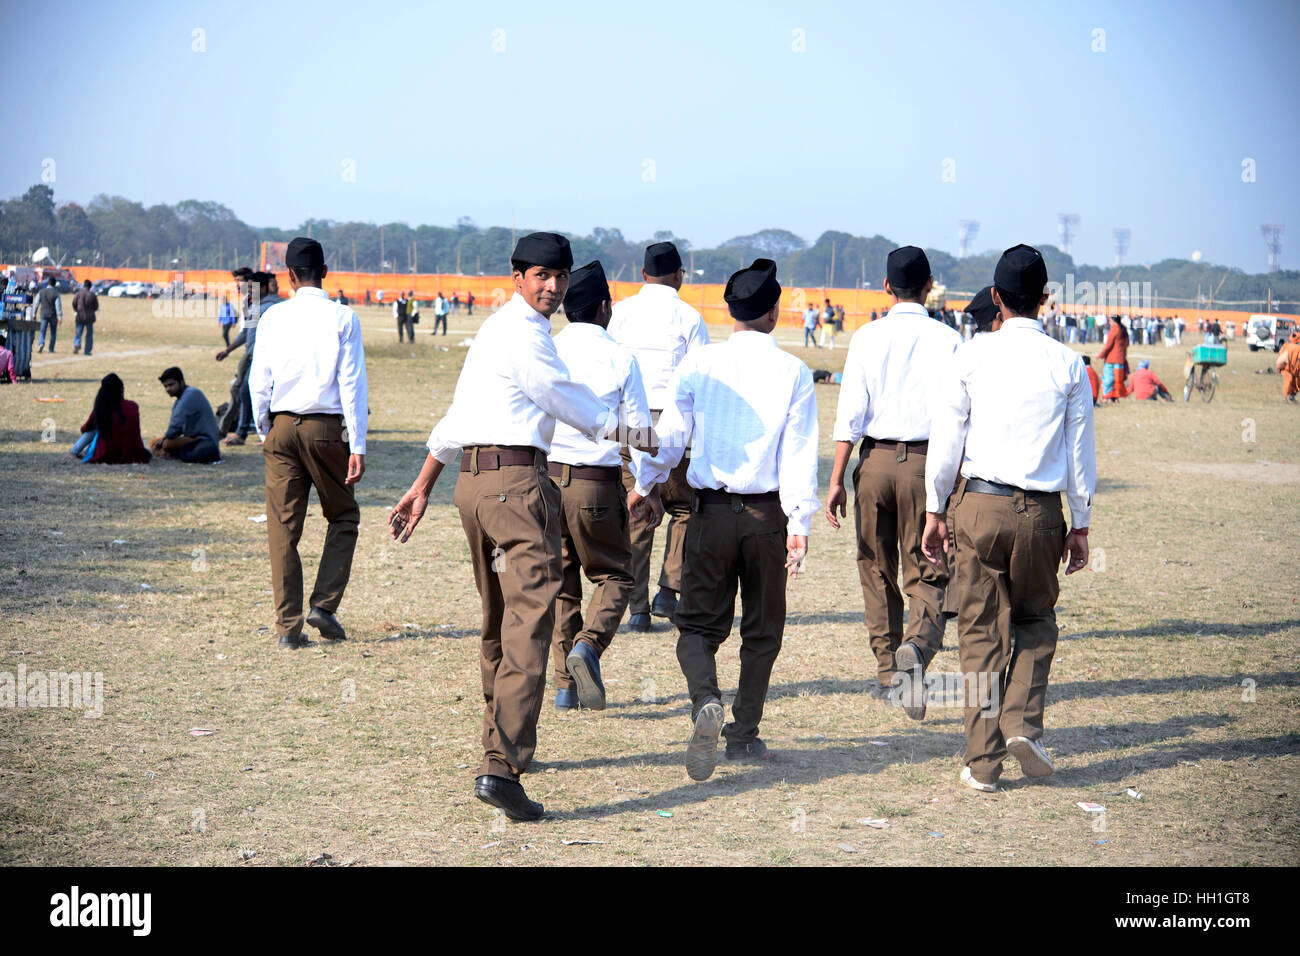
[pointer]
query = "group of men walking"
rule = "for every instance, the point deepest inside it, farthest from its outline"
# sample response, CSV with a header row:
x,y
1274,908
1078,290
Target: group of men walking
x,y
569,449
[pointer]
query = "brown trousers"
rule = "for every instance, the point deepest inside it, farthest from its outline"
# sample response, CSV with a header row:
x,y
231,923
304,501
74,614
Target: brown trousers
x,y
302,452
728,543
676,496
1007,555
511,518
890,517
594,541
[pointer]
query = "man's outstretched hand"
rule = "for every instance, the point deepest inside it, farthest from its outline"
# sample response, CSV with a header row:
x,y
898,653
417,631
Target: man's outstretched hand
x,y
934,539
406,515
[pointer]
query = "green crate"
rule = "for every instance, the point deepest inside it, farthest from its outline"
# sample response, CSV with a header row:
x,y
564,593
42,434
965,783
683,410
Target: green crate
x,y
1210,355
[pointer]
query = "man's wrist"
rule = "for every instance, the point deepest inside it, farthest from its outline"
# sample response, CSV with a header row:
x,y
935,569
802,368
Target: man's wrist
x,y
1083,532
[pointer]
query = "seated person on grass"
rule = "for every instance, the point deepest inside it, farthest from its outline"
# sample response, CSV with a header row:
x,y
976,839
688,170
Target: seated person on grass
x,y
1146,386
111,435
191,435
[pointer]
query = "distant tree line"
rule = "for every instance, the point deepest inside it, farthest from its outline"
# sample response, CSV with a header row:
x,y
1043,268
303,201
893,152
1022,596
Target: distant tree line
x,y
114,232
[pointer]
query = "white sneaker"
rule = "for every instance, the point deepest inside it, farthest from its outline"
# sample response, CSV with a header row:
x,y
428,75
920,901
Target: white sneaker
x,y
969,779
1033,758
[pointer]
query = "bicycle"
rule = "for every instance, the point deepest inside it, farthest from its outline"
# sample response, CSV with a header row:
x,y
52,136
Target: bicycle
x,y
1202,371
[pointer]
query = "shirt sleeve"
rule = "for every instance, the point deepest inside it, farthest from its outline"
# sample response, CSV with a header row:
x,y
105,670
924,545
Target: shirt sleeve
x,y
176,426
353,387
699,335
797,456
260,386
673,432
541,375
1080,448
851,413
635,412
950,417
58,305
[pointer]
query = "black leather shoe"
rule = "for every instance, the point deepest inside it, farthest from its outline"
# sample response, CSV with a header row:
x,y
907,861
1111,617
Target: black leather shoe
x,y
639,622
664,604
327,624
508,796
755,751
294,640
908,688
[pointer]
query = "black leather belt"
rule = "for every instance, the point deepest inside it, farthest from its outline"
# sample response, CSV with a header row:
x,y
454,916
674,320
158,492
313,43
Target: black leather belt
x,y
714,496
311,416
902,448
589,472
493,457
980,486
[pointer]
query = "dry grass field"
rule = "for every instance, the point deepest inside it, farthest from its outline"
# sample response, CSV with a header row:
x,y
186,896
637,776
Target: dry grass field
x,y
1177,675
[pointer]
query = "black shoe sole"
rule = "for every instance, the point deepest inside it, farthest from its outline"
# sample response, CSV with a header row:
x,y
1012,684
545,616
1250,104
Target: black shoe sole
x,y
702,751
301,642
590,694
490,797
328,632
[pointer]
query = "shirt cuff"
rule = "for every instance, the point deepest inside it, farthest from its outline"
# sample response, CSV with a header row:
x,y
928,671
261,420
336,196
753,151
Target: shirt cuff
x,y
799,523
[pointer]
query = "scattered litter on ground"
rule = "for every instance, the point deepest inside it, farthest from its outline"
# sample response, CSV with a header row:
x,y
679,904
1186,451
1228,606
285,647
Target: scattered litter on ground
x,y
848,848
1089,807
1135,794
247,854
936,834
664,813
582,842
881,824
488,846
200,732
878,743
258,519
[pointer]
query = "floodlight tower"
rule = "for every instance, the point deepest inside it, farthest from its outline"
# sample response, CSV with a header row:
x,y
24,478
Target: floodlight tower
x,y
1273,239
1122,235
967,230
1066,222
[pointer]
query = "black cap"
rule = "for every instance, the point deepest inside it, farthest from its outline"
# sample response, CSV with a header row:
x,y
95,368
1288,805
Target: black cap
x,y
304,253
172,373
751,293
1021,271
549,249
907,268
982,309
662,259
587,286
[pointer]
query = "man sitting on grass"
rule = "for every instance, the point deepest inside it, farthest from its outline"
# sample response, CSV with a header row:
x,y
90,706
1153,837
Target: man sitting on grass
x,y
191,434
1146,386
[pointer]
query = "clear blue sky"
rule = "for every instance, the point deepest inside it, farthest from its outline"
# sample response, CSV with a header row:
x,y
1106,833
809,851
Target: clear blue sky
x,y
744,131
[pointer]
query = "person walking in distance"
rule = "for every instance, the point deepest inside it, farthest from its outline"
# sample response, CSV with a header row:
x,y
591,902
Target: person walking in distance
x,y
309,391
750,411
84,306
1013,421
661,330
48,308
511,391
890,374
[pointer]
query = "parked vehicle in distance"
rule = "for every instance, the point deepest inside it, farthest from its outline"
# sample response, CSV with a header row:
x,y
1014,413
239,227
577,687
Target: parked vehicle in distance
x,y
1268,332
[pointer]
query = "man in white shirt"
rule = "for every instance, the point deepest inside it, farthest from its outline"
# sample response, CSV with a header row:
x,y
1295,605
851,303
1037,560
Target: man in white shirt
x,y
661,330
593,506
309,393
510,393
1015,419
750,412
892,372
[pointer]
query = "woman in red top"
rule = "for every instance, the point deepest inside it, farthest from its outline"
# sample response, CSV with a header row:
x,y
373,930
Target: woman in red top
x,y
1115,354
113,428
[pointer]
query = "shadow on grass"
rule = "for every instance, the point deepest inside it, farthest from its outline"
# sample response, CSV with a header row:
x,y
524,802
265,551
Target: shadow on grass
x,y
1077,690
1185,628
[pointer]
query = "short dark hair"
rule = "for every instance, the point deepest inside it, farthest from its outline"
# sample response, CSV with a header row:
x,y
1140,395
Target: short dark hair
x,y
517,265
587,313
1024,303
173,373
907,295
306,276
86,283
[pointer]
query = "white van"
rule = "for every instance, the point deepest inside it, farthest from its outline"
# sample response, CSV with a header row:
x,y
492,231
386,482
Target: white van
x,y
1268,332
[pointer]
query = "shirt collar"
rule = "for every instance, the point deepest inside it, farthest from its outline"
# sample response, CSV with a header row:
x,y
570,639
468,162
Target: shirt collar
x,y
520,305
907,308
655,289
752,337
307,290
1020,322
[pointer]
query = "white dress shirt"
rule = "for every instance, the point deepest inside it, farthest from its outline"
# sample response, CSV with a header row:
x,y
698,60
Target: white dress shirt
x,y
611,371
753,413
1020,404
660,329
513,388
893,370
309,360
